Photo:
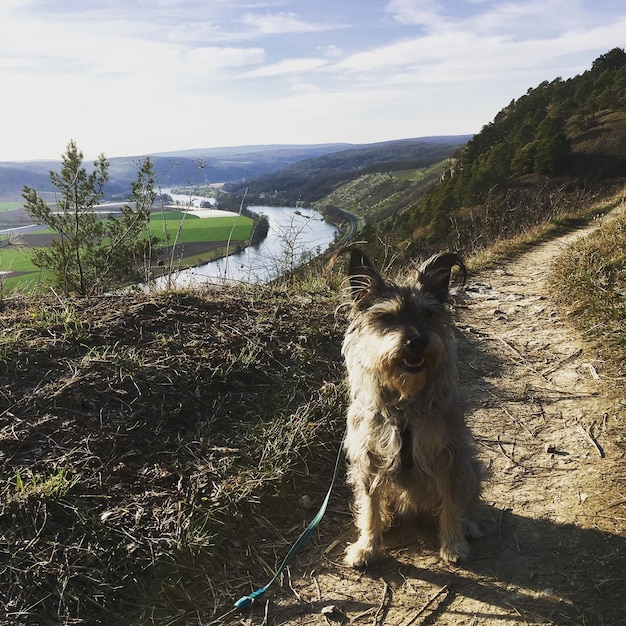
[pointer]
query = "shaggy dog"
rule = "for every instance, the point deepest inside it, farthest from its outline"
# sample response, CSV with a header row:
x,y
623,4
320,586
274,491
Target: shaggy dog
x,y
408,447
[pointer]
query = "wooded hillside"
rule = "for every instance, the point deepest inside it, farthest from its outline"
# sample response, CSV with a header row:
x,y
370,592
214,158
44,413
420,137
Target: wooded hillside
x,y
311,179
542,154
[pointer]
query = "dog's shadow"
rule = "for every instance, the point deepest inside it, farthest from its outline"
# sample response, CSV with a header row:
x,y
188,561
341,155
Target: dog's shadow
x,y
522,569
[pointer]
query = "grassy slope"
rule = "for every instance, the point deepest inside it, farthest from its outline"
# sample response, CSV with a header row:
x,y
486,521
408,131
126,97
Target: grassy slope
x,y
589,280
140,436
155,447
379,195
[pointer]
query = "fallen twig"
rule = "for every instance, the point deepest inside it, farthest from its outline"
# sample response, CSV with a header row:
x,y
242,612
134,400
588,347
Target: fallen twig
x,y
386,594
295,593
516,421
507,456
555,366
365,613
266,613
424,608
317,589
592,371
522,358
589,435
526,363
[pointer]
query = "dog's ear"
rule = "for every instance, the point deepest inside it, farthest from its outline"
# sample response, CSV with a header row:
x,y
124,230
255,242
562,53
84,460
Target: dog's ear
x,y
364,278
434,274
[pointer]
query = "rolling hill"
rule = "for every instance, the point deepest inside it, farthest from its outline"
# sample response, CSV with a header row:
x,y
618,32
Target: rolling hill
x,y
241,163
310,180
198,166
543,156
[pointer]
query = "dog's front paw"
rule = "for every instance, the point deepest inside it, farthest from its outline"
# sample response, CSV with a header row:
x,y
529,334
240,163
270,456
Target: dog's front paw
x,y
454,552
360,554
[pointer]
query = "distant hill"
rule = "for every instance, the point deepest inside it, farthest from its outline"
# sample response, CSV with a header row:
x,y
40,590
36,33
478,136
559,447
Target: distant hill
x,y
309,180
264,167
13,177
198,166
280,150
217,165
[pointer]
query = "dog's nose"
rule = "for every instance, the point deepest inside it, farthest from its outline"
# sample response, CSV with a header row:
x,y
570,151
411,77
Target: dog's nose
x,y
417,344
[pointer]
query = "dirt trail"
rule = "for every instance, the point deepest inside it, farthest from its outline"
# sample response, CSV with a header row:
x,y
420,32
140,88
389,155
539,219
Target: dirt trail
x,y
554,513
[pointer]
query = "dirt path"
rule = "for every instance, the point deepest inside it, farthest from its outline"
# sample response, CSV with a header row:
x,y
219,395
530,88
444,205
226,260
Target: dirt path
x,y
554,513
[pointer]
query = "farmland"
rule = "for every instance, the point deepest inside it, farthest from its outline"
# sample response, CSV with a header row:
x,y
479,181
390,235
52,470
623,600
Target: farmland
x,y
187,240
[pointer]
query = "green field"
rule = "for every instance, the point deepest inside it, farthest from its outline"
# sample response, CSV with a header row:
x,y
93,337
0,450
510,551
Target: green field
x,y
10,206
181,228
200,229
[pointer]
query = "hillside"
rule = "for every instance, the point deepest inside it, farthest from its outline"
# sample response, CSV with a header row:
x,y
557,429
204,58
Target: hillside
x,y
545,155
160,452
310,180
199,166
380,195
130,433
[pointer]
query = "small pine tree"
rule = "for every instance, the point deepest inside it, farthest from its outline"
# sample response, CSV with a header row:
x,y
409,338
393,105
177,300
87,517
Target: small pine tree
x,y
129,249
91,255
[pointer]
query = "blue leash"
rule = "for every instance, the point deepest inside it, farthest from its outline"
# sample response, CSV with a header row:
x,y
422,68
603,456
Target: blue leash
x,y
245,601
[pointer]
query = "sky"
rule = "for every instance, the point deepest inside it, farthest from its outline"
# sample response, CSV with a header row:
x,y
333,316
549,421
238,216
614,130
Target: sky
x,y
135,77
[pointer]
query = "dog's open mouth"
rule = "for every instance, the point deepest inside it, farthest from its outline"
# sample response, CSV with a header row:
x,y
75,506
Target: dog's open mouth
x,y
413,364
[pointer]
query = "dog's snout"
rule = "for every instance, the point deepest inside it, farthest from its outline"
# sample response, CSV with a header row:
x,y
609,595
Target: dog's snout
x,y
417,344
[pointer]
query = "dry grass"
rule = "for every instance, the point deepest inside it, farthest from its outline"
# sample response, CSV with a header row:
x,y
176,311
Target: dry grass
x,y
507,249
153,449
589,281
143,441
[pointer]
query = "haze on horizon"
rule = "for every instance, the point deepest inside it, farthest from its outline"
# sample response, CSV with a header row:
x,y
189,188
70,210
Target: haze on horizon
x,y
129,78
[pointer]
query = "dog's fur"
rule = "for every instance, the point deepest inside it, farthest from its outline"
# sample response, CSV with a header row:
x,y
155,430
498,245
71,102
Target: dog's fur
x,y
408,447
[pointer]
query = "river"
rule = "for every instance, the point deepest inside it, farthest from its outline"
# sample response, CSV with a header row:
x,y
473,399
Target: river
x,y
295,235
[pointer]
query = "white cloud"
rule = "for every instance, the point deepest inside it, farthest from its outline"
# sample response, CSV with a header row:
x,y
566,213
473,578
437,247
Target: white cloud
x,y
281,23
479,47
415,12
287,66
332,51
131,77
519,19
214,59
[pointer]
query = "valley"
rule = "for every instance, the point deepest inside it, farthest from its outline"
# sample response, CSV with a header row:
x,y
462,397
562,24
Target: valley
x,y
161,450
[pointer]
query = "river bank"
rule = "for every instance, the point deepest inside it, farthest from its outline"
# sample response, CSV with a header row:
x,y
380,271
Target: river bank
x,y
295,235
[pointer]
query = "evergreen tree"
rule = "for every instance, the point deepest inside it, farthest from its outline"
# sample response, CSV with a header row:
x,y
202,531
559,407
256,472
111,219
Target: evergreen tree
x,y
129,249
91,255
